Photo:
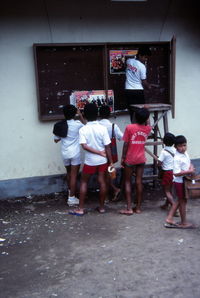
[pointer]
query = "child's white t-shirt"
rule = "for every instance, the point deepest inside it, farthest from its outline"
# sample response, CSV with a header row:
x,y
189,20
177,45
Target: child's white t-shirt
x,y
70,147
181,163
108,125
95,136
166,158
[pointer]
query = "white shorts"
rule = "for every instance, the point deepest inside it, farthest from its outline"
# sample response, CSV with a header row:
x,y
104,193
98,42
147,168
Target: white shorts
x,y
74,161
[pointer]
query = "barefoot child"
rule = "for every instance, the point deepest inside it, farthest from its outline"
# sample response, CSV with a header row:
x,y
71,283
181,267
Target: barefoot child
x,y
166,161
104,113
182,166
95,141
133,157
70,149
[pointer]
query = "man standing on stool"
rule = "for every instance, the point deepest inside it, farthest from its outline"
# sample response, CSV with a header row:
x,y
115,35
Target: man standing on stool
x,y
136,79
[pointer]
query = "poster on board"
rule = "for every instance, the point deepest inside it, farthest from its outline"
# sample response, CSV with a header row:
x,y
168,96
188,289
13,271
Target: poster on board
x,y
98,97
118,60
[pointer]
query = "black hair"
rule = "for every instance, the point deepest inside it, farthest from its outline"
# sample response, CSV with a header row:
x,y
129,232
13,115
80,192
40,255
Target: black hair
x,y
91,112
104,111
144,51
69,111
142,115
179,140
60,128
169,139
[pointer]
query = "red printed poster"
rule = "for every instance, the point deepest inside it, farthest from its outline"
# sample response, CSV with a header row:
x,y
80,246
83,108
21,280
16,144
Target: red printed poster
x,y
98,97
118,60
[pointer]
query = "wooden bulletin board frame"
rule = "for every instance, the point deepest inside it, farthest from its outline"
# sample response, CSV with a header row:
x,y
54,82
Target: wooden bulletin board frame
x,y
64,68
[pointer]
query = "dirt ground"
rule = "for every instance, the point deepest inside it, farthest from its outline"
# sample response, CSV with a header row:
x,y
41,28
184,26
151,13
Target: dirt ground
x,y
47,253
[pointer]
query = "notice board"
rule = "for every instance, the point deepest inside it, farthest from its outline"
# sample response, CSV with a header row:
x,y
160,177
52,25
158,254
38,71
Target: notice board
x,y
64,68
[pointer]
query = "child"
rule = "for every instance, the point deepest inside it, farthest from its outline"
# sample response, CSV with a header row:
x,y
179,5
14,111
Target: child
x,y
70,150
133,157
166,161
95,141
104,113
182,166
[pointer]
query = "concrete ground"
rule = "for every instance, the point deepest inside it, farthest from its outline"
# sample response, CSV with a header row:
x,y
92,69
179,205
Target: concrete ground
x,y
47,253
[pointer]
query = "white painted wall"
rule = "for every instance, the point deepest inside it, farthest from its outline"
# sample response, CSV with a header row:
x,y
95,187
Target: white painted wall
x,y
27,148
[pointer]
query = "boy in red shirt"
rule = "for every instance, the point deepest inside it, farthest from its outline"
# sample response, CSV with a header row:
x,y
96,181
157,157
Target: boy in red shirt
x,y
133,157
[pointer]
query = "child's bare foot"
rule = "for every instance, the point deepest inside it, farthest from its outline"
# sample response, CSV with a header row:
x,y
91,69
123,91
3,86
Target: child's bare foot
x,y
186,226
126,211
180,225
170,222
137,210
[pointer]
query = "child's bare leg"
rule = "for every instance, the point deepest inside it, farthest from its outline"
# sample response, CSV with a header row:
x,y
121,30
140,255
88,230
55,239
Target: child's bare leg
x,y
179,194
169,197
166,204
116,190
103,190
83,191
171,213
68,170
139,187
127,185
168,194
111,186
182,209
73,179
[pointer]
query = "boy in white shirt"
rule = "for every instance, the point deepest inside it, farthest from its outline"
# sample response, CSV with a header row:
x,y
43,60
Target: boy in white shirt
x,y
104,113
95,141
182,167
166,161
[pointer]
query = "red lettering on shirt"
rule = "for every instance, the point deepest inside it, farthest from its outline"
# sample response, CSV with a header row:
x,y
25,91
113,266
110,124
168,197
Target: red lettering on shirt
x,y
130,67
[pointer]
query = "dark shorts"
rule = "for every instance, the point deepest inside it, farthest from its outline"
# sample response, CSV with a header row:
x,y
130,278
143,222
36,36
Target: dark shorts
x,y
134,97
179,188
133,166
167,178
94,169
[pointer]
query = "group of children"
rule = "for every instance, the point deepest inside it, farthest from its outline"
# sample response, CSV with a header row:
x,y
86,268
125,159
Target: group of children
x,y
95,137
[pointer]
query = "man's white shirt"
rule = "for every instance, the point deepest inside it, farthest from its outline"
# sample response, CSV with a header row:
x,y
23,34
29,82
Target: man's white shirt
x,y
135,73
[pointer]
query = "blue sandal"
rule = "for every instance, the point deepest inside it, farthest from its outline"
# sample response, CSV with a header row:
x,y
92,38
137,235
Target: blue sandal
x,y
73,212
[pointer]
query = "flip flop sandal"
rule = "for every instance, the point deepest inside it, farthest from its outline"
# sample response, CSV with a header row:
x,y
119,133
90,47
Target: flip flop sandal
x,y
171,225
71,212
